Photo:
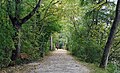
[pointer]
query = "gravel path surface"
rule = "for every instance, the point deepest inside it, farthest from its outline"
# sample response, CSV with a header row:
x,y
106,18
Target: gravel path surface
x,y
58,62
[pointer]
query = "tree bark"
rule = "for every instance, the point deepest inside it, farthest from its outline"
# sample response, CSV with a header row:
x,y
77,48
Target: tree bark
x,y
108,45
51,43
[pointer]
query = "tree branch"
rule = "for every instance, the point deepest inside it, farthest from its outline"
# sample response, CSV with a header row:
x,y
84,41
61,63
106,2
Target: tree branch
x,y
26,18
47,9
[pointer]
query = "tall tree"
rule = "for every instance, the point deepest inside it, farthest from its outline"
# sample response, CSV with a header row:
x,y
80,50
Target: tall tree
x,y
17,23
108,45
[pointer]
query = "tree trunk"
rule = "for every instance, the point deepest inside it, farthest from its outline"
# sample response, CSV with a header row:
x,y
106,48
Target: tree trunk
x,y
105,56
17,23
51,43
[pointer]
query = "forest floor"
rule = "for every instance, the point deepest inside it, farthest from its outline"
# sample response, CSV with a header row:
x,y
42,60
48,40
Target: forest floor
x,y
59,61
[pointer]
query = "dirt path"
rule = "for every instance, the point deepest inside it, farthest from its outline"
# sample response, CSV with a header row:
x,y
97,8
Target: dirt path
x,y
58,62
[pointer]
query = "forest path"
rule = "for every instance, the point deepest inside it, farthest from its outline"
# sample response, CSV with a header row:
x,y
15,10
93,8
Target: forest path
x,y
58,62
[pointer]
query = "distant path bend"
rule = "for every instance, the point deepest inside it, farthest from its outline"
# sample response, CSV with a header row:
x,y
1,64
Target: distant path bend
x,y
60,62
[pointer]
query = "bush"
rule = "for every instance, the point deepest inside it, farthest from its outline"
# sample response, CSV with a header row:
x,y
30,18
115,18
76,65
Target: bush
x,y
87,50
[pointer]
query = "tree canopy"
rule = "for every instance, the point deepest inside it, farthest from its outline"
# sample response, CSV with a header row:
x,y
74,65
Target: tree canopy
x,y
83,26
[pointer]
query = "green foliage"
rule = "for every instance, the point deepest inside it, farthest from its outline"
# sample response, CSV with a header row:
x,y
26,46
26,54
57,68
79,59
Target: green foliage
x,y
84,25
6,43
34,34
90,24
87,50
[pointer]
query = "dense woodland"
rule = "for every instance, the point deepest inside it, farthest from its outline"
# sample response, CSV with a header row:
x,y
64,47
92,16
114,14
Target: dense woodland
x,y
89,29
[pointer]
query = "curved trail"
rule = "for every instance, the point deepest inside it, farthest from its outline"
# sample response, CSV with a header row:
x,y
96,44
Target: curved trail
x,y
58,62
